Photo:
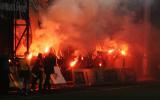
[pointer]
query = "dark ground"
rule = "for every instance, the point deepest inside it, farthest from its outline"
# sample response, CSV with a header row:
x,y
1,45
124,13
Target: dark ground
x,y
145,91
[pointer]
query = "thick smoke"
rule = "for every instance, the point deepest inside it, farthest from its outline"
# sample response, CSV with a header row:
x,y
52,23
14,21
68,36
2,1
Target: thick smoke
x,y
86,24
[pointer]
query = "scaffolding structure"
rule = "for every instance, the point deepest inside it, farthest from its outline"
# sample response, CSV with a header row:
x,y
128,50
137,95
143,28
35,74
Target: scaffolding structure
x,y
21,12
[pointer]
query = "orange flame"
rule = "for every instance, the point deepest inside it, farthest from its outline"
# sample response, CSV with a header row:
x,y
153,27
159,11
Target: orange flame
x,y
123,52
46,50
73,63
29,57
110,51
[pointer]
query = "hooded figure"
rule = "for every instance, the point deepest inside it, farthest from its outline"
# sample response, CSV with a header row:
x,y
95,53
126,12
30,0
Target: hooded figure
x,y
50,63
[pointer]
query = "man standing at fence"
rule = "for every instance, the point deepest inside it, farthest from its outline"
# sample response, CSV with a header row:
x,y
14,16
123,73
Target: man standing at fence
x,y
50,63
37,72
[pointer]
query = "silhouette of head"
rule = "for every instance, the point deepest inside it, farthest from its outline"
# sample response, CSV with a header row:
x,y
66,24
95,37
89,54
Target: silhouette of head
x,y
39,55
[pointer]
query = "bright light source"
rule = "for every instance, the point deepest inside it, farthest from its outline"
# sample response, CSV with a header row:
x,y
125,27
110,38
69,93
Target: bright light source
x,y
9,60
100,64
29,57
82,58
73,63
110,51
46,50
123,52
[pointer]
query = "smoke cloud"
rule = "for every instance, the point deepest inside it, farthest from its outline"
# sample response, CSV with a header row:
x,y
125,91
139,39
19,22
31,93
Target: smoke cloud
x,y
86,24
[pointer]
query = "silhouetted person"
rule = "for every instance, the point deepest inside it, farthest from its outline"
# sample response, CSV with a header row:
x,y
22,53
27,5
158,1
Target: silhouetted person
x,y
24,75
50,63
37,72
4,78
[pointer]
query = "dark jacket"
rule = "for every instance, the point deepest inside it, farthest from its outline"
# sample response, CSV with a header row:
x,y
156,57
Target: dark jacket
x,y
50,63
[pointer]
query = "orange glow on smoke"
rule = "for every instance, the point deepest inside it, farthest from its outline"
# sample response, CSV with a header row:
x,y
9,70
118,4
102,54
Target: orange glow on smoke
x,y
42,39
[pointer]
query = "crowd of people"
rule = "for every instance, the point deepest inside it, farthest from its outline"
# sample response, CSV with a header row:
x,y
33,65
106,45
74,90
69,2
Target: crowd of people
x,y
40,72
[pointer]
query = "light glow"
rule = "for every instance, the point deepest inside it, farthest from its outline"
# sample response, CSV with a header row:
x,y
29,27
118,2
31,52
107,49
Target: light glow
x,y
73,63
29,57
123,53
111,51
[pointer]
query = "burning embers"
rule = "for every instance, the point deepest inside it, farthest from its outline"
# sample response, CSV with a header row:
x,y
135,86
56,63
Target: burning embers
x,y
99,59
106,58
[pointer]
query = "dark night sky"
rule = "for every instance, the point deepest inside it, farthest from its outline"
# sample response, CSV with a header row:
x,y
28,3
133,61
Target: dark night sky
x,y
138,7
155,17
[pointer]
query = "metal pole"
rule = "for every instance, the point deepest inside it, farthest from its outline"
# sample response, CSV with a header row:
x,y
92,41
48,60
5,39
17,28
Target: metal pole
x,y
123,64
15,28
147,31
123,69
28,23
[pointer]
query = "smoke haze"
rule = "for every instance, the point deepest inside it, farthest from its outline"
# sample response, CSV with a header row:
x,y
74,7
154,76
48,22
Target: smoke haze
x,y
86,24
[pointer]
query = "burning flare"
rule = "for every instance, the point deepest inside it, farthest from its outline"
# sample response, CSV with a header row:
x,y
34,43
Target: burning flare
x,y
123,53
73,63
100,64
46,50
111,51
29,57
9,60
